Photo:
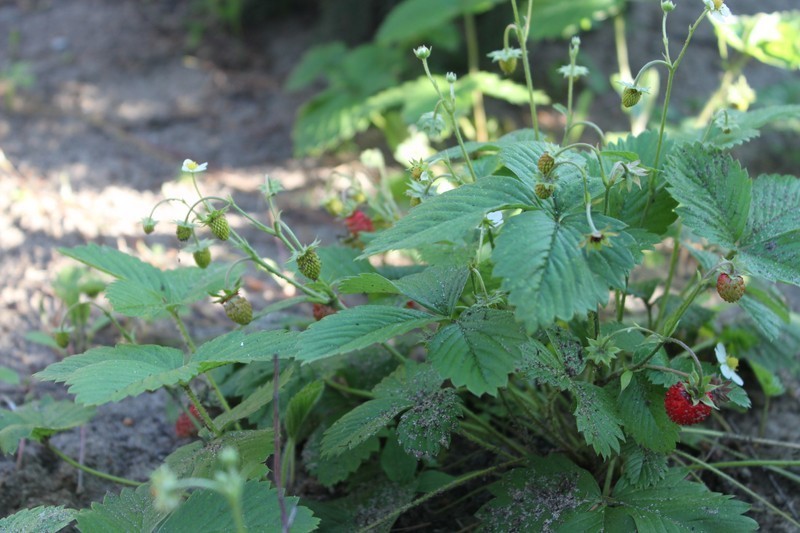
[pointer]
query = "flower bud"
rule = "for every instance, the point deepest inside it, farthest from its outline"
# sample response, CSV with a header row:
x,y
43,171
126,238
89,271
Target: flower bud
x,y
422,52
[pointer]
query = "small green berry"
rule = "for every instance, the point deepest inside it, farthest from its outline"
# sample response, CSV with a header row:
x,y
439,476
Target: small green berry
x,y
309,264
630,97
61,336
546,164
202,258
544,190
183,231
148,225
239,310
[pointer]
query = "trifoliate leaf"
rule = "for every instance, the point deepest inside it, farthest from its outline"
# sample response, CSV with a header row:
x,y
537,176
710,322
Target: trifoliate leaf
x,y
478,350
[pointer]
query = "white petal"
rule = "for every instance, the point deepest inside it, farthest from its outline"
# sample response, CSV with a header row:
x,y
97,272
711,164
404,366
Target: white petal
x,y
201,168
728,373
722,355
186,164
709,4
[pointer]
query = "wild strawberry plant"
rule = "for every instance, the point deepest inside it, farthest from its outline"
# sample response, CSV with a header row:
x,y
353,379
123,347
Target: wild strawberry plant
x,y
526,368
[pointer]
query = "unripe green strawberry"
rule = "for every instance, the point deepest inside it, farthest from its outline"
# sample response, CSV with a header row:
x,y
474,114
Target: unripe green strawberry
x,y
544,190
630,97
334,206
183,232
218,225
309,264
508,66
202,258
239,310
546,163
61,336
148,225
730,288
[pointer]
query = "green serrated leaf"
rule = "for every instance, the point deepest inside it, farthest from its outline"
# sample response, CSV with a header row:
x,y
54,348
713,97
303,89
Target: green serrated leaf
x,y
300,406
130,510
201,459
207,511
478,350
568,349
41,519
254,401
356,328
437,288
399,466
339,262
332,470
712,190
39,419
743,126
451,216
369,283
641,409
766,307
551,276
360,424
541,364
770,248
240,347
675,504
425,429
543,497
107,374
597,418
410,381
642,467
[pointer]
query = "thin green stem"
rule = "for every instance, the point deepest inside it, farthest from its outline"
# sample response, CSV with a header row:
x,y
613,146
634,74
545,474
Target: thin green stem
x,y
740,486
92,471
201,410
488,427
609,477
673,66
744,438
478,111
184,332
521,33
472,437
673,264
349,390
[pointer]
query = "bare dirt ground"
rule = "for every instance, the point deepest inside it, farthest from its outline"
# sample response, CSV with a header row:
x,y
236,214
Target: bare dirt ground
x,y
93,144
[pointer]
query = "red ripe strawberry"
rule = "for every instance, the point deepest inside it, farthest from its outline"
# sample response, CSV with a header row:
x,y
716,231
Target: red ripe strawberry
x,y
682,409
358,222
730,288
320,311
184,427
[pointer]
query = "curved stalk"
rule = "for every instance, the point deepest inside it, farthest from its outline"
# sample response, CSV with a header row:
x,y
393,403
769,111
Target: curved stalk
x,y
97,473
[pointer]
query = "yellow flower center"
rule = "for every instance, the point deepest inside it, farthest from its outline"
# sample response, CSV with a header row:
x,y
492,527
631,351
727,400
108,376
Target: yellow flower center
x,y
718,4
732,362
191,165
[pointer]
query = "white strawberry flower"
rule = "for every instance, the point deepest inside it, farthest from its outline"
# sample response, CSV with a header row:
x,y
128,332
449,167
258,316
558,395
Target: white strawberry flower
x,y
728,364
718,11
193,167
